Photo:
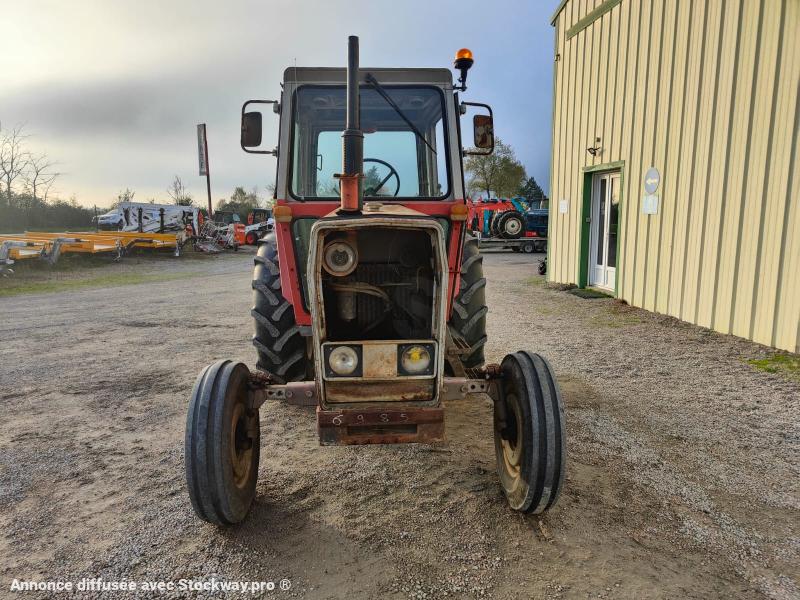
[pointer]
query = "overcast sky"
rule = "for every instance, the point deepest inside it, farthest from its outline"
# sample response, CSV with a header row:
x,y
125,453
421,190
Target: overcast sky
x,y
113,89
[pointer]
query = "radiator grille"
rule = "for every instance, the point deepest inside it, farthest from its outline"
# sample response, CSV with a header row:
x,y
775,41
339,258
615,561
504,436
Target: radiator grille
x,y
395,280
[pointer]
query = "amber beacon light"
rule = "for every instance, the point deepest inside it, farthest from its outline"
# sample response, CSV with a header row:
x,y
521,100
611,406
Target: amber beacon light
x,y
463,63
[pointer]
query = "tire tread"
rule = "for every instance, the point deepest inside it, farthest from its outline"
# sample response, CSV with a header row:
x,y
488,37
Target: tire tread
x,y
544,431
280,347
468,319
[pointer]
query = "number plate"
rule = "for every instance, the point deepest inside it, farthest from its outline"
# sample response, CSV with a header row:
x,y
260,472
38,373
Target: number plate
x,y
376,426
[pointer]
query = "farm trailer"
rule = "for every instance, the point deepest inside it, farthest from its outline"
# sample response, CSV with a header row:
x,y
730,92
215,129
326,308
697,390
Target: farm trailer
x,y
49,246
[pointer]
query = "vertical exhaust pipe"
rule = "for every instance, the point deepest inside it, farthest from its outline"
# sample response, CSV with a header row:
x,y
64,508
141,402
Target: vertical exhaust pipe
x,y
351,180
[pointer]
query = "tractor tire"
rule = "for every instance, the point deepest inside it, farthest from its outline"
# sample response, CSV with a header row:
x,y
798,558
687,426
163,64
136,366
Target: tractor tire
x,y
529,434
510,225
468,319
542,270
494,221
281,349
222,444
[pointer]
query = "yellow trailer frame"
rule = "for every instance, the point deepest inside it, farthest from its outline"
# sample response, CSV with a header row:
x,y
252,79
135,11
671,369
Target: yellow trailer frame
x,y
49,246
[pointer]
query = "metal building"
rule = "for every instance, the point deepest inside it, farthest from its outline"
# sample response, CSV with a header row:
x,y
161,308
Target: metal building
x,y
675,182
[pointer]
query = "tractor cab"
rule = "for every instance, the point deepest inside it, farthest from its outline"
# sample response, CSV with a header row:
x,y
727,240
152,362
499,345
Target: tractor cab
x,y
407,146
369,296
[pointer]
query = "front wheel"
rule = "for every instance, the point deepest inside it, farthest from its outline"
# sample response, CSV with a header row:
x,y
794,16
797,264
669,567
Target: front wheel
x,y
529,433
222,444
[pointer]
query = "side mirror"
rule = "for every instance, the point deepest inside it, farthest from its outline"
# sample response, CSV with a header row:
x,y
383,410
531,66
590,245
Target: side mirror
x,y
251,129
483,129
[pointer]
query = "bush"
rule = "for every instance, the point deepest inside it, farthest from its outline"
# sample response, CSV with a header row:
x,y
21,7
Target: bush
x,y
31,215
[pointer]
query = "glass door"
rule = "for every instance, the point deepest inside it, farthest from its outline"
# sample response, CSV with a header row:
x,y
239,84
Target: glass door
x,y
604,219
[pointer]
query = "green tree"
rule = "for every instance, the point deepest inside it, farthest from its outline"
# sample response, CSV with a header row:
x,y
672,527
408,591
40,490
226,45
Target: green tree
x,y
371,180
532,191
241,202
499,172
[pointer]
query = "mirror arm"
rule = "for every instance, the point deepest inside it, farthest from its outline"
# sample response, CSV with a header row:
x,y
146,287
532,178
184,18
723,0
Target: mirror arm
x,y
276,108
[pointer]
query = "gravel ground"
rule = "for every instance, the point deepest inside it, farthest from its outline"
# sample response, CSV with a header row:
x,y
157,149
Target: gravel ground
x,y
682,475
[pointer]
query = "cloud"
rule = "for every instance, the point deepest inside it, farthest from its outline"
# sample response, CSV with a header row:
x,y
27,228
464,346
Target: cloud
x,y
114,90
159,105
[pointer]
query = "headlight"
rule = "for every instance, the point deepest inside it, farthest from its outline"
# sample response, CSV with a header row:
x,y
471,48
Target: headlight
x,y
343,360
340,258
416,359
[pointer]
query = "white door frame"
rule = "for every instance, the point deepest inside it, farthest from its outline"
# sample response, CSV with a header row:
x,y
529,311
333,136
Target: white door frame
x,y
605,189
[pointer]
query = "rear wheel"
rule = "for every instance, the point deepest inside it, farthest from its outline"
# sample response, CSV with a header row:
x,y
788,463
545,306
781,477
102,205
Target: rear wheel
x,y
528,247
510,225
222,444
468,320
281,349
529,433
251,239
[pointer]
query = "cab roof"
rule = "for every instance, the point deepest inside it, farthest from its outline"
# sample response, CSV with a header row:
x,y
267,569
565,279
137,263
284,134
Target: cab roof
x,y
333,75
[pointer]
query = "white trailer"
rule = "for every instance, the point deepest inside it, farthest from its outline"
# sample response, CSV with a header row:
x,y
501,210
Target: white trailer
x,y
150,218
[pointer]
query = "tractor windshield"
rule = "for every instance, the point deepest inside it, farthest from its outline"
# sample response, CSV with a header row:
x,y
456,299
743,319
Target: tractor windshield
x,y
398,163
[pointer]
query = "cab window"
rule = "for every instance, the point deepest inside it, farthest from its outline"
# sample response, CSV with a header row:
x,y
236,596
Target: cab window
x,y
398,161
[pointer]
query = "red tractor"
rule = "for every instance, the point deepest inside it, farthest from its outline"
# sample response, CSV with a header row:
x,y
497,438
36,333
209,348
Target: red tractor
x,y
369,297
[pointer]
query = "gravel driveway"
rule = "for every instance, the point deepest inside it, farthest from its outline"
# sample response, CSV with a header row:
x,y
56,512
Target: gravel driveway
x,y
682,471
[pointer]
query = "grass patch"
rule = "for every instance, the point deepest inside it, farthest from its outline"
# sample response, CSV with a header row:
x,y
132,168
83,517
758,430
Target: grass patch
x,y
787,365
613,321
536,280
588,293
12,287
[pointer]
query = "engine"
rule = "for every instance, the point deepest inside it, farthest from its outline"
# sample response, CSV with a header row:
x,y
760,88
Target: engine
x,y
378,284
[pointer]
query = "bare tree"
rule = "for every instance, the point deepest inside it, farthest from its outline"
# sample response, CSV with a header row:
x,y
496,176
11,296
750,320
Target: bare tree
x,y
124,196
13,158
47,189
255,196
178,192
39,175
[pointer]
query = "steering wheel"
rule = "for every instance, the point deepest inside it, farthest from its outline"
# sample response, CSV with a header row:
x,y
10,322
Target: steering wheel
x,y
370,191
